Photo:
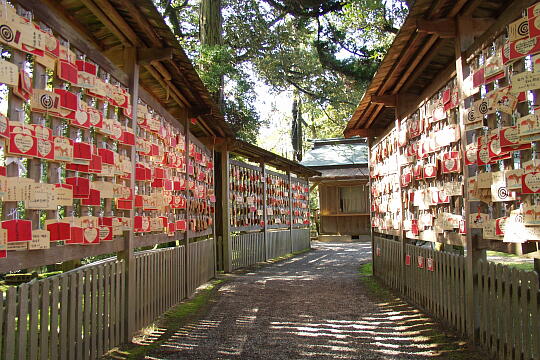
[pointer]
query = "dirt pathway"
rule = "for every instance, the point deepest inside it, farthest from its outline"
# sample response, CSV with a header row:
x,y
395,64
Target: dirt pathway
x,y
312,306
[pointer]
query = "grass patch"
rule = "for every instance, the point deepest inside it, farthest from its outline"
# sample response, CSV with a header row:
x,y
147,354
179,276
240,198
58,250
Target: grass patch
x,y
366,278
499,254
168,323
528,266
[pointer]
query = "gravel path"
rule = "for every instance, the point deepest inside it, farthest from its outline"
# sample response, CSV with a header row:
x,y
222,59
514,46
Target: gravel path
x,y
312,306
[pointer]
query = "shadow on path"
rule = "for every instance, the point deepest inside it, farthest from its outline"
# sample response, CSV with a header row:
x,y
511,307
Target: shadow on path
x,y
312,306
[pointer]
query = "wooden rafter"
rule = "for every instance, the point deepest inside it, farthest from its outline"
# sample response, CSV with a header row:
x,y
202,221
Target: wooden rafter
x,y
386,100
420,64
444,28
96,10
376,113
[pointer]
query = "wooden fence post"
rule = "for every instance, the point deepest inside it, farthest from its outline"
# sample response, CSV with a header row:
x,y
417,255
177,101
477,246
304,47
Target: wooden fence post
x,y
265,215
131,67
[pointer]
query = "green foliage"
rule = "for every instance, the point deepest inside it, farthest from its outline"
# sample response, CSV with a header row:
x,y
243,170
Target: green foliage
x,y
327,51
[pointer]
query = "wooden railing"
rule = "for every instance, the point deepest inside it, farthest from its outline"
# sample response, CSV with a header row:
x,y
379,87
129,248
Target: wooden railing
x,y
506,301
251,248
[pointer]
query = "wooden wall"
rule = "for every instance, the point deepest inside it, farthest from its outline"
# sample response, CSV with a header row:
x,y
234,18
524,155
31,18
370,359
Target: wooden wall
x,y
332,221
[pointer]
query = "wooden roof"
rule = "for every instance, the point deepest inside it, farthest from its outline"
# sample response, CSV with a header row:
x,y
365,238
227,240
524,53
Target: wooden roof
x,y
110,25
257,154
422,53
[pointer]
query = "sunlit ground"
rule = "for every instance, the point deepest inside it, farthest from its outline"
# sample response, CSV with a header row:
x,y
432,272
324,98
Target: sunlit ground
x,y
313,306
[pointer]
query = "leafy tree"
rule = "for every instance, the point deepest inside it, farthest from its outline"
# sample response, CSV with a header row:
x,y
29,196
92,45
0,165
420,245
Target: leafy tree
x,y
326,51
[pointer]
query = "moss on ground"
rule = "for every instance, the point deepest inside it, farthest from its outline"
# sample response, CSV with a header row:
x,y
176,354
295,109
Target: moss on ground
x,y
171,321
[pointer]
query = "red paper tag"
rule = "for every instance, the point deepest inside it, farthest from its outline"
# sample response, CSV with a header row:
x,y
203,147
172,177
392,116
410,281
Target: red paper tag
x,y
18,230
107,156
181,225
67,72
408,260
420,262
430,264
530,183
94,198
60,231
82,151
81,187
22,144
77,235
91,236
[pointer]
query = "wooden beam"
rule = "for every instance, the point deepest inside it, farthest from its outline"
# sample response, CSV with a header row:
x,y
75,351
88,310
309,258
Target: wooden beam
x,y
142,21
426,54
98,13
444,28
211,141
423,63
105,8
409,51
373,132
386,100
438,82
150,55
374,115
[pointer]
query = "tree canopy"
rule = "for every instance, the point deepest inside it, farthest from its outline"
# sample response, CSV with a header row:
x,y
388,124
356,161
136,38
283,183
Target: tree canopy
x,y
325,51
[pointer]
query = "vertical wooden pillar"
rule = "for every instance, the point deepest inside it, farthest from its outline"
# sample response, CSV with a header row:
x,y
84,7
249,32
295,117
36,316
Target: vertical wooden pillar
x,y
187,257
463,40
223,209
289,178
309,211
265,215
371,233
131,67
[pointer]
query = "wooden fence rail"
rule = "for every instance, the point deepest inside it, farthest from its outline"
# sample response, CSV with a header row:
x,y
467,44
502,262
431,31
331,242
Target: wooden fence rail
x,y
249,248
81,314
507,300
75,315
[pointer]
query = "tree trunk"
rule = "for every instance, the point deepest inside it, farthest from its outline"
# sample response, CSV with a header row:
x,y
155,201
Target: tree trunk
x,y
211,33
210,22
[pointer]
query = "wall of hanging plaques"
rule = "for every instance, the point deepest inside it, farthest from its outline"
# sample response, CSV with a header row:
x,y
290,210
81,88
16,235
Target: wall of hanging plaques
x,y
201,195
246,191
66,141
300,202
278,209
431,169
503,130
385,193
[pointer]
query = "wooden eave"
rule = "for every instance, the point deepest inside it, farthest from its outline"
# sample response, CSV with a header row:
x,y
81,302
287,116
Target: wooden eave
x,y
420,58
111,25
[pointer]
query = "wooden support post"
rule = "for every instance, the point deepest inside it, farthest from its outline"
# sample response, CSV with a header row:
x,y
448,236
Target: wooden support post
x,y
132,70
371,233
187,257
402,237
290,210
309,209
463,40
223,209
265,215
